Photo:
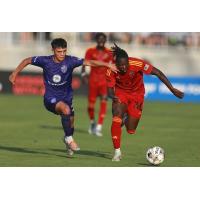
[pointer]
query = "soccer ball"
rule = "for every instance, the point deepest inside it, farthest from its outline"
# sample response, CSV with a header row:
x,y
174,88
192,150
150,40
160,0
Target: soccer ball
x,y
155,155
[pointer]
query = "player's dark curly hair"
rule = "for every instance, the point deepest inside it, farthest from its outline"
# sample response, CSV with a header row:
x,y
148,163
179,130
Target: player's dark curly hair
x,y
118,52
59,43
99,35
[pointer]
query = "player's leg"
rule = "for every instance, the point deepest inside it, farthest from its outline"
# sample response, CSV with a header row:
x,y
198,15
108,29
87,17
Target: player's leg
x,y
134,114
131,124
102,110
118,111
92,95
67,119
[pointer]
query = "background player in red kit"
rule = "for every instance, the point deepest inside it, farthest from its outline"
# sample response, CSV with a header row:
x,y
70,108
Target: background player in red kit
x,y
126,88
97,86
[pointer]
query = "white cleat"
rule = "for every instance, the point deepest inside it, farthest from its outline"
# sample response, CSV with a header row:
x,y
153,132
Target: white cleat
x,y
71,147
117,157
70,152
98,131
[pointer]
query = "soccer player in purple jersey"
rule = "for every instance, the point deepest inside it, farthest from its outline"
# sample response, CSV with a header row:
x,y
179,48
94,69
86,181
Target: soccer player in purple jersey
x,y
57,74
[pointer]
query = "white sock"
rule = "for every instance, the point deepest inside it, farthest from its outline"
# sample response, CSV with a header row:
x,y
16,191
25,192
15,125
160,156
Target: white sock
x,y
117,151
99,127
69,139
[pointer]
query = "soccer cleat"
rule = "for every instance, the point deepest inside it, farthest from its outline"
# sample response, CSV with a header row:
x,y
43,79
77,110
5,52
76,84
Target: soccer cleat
x,y
71,147
70,152
92,128
98,131
117,156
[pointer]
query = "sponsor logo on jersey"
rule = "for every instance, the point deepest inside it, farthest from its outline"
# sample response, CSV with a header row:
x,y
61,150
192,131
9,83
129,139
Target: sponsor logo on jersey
x,y
53,100
64,69
146,67
56,78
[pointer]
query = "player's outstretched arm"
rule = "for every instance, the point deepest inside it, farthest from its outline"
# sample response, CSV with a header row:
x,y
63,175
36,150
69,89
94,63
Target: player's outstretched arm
x,y
164,79
84,75
96,63
19,68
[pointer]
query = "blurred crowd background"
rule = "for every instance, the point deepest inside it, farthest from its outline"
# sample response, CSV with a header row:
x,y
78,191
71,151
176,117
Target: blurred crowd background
x,y
177,54
186,39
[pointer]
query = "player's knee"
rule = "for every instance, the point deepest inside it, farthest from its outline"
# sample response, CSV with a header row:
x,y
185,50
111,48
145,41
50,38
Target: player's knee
x,y
117,119
129,131
66,110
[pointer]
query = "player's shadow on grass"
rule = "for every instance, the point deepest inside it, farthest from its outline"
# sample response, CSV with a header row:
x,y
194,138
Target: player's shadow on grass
x,y
88,153
25,150
77,130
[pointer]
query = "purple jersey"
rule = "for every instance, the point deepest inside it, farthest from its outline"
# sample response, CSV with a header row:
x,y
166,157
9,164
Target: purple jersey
x,y
57,76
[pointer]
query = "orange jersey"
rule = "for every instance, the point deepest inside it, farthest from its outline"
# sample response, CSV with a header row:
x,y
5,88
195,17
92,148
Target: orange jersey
x,y
132,80
98,73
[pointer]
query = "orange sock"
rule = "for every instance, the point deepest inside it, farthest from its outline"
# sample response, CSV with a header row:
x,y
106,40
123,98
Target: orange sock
x,y
116,132
102,111
91,111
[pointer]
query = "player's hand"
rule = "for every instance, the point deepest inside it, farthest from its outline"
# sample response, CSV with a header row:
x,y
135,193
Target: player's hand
x,y
113,68
178,93
12,78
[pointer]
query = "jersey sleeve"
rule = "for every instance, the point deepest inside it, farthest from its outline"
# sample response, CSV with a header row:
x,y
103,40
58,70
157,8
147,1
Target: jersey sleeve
x,y
147,68
76,62
141,65
88,54
110,78
38,61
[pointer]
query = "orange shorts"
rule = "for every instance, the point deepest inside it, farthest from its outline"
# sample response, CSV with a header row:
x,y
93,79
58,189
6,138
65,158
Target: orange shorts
x,y
133,102
96,90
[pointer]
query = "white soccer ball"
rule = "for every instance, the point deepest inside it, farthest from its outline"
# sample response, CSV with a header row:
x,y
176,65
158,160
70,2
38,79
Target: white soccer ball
x,y
155,155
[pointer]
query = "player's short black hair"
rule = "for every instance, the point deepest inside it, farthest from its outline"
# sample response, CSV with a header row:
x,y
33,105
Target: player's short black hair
x,y
98,35
58,43
118,52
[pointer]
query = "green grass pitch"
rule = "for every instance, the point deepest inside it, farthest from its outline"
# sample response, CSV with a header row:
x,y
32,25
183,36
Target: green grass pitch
x,y
31,136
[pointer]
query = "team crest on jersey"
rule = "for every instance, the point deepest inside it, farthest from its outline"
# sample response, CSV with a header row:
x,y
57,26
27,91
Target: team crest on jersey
x,y
131,74
56,78
64,69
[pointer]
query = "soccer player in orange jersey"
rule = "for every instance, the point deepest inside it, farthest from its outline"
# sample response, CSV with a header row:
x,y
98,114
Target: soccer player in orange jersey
x,y
126,88
97,86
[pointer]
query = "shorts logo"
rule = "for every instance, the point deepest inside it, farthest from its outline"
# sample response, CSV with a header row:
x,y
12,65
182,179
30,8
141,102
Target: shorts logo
x,y
53,100
146,67
64,69
56,78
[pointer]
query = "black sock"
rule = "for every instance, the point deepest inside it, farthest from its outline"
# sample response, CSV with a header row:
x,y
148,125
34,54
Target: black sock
x,y
66,124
